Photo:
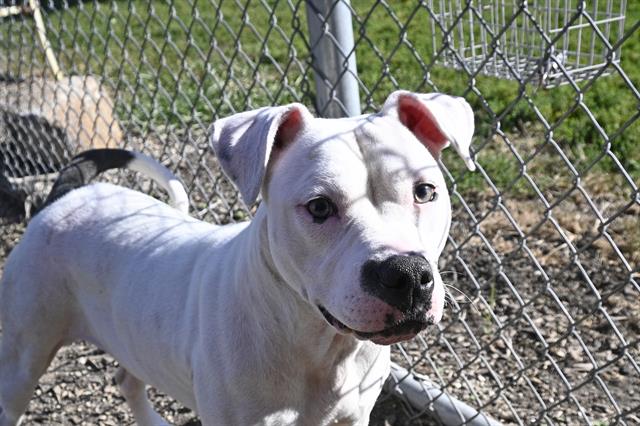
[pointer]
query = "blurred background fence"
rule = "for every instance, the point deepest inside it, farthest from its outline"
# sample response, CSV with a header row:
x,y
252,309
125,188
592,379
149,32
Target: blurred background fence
x,y
543,314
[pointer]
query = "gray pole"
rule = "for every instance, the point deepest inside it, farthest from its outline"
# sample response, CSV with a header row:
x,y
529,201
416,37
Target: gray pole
x,y
423,395
333,58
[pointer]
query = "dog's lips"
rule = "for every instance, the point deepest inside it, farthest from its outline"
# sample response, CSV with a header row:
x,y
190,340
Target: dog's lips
x,y
333,321
403,330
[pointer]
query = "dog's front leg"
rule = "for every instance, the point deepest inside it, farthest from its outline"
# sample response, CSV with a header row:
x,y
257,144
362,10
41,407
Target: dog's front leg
x,y
135,394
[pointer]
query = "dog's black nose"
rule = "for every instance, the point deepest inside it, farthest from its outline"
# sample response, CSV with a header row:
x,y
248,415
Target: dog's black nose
x,y
401,272
403,281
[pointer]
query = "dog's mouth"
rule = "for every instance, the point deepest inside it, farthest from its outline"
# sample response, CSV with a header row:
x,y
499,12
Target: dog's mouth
x,y
402,330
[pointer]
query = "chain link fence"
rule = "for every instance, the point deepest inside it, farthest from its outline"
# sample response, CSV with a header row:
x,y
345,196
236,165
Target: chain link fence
x,y
543,312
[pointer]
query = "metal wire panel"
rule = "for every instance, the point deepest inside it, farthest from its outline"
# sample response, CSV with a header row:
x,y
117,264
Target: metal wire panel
x,y
542,40
543,259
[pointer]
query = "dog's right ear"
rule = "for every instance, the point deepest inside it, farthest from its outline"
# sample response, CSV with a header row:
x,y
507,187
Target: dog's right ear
x,y
245,143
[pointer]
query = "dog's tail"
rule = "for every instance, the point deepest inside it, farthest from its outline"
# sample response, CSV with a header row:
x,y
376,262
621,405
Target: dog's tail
x,y
91,163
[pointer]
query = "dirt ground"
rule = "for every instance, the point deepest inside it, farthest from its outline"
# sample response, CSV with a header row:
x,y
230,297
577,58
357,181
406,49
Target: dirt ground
x,y
541,326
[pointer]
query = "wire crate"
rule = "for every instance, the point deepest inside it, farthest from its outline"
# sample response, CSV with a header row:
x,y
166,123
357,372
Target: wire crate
x,y
547,42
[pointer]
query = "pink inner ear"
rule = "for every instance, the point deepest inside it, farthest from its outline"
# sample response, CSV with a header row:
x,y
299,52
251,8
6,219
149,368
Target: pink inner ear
x,y
417,118
288,128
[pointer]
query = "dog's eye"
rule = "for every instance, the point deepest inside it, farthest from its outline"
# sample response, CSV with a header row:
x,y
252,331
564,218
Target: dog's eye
x,y
321,208
424,193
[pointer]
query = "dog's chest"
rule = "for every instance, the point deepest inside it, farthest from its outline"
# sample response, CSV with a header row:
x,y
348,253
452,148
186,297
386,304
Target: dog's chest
x,y
345,394
326,406
349,410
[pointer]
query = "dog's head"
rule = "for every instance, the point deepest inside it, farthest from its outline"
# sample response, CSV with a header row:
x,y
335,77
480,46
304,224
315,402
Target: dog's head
x,y
357,209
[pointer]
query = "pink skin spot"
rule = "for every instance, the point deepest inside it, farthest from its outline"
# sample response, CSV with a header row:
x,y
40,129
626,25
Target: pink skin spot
x,y
369,314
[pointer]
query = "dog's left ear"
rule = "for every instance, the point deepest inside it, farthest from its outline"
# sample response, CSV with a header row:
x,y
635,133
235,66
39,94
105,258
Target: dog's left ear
x,y
436,120
246,142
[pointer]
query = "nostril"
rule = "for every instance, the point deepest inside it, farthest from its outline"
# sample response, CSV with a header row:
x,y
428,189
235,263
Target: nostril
x,y
426,277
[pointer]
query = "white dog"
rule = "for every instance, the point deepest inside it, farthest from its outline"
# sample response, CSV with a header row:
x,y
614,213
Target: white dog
x,y
283,320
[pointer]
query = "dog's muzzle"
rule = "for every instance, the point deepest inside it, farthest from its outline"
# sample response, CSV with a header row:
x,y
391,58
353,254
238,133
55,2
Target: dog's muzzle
x,y
404,282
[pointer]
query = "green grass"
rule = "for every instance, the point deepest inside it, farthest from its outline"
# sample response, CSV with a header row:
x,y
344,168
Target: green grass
x,y
177,64
500,104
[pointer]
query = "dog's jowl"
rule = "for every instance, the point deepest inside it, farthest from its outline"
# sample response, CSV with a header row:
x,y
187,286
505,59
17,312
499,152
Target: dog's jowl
x,y
286,319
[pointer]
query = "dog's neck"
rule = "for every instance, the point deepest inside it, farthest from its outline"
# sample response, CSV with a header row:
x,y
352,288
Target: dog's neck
x,y
328,349
289,344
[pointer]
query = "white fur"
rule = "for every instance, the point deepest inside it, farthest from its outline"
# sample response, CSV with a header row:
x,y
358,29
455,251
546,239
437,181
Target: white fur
x,y
225,319
146,165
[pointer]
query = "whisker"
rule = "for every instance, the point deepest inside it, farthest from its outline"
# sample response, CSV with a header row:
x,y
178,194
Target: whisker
x,y
452,287
447,287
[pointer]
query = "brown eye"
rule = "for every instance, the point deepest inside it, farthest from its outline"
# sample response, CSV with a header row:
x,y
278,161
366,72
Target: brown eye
x,y
424,193
320,209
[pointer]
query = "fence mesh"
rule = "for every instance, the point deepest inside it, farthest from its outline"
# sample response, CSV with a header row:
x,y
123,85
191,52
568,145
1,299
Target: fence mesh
x,y
543,312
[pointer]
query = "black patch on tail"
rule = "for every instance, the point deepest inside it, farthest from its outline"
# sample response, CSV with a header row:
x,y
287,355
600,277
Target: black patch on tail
x,y
83,168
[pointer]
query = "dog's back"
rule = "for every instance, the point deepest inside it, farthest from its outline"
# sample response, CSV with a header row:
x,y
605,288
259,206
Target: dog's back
x,y
56,288
65,235
69,292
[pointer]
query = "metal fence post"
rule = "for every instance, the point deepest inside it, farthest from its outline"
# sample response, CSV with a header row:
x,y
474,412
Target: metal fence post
x,y
422,395
333,57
